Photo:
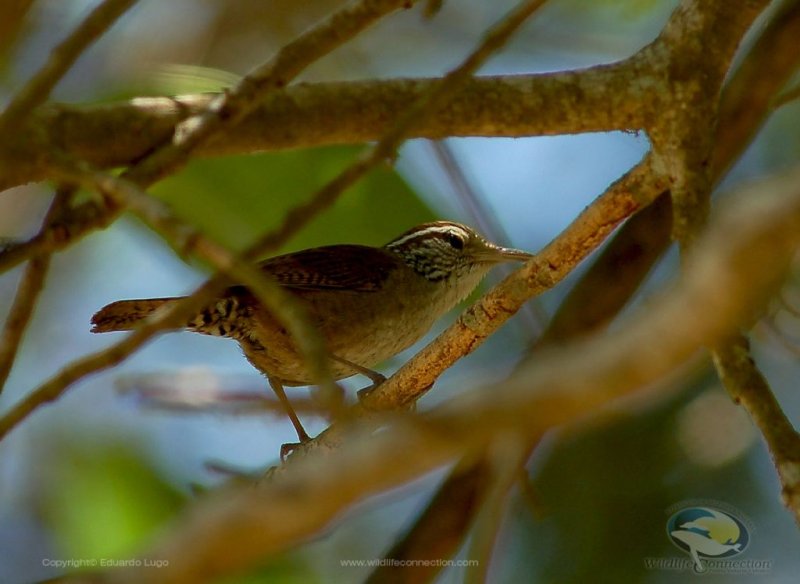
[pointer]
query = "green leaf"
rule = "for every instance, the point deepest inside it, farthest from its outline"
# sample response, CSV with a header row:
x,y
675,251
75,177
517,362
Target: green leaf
x,y
105,504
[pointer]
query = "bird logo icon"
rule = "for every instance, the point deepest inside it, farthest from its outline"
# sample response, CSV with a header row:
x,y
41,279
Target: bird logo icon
x,y
706,532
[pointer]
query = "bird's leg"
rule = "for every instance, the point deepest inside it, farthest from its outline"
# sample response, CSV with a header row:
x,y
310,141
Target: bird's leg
x,y
277,387
231,471
374,376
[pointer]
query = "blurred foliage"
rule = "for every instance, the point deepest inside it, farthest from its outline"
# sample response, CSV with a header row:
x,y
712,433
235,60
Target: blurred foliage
x,y
177,79
108,502
602,493
237,199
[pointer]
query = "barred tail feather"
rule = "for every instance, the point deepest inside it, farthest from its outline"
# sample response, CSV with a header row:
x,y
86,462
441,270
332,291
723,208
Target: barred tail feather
x,y
123,315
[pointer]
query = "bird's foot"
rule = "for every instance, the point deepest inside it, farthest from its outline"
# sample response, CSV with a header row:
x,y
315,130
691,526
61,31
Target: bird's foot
x,y
288,448
377,380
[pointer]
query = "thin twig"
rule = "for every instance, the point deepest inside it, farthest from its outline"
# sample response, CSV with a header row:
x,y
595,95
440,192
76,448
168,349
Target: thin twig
x,y
75,223
493,40
28,291
749,388
61,59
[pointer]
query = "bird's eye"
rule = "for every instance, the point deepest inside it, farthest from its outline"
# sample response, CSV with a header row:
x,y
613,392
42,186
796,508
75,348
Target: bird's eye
x,y
455,240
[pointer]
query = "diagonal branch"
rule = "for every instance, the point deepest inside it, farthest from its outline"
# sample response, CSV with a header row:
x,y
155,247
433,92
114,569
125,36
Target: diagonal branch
x,y
28,291
748,387
752,92
63,56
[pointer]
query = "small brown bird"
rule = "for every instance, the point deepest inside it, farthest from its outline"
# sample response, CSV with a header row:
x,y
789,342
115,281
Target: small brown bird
x,y
368,303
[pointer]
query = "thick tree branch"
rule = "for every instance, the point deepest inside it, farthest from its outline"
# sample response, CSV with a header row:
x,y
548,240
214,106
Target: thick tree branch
x,y
683,137
305,115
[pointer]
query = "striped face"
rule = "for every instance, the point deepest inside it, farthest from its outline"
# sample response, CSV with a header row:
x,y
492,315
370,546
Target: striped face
x,y
443,248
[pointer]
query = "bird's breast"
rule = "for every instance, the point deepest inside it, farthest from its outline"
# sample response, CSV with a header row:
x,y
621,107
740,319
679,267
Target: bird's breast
x,y
365,328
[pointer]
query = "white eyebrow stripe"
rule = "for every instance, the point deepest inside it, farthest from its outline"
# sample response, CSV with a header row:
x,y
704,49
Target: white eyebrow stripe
x,y
435,229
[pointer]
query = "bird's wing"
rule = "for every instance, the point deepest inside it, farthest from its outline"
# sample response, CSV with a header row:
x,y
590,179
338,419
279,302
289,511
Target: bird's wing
x,y
355,268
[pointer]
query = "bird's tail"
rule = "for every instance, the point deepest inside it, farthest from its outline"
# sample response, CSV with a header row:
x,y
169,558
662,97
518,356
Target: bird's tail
x,y
123,315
